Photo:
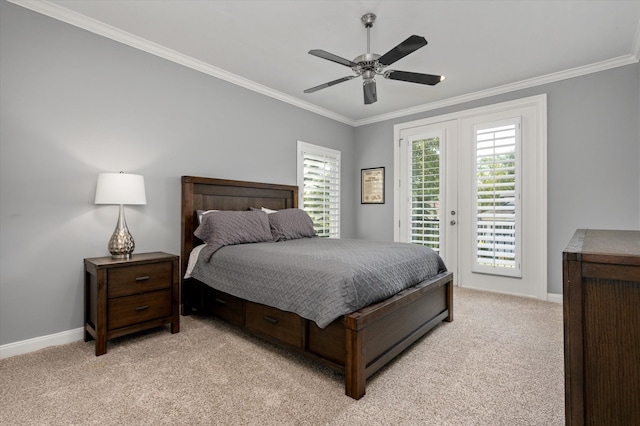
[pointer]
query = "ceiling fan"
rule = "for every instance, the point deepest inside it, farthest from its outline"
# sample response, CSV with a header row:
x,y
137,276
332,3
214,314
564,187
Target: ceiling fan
x,y
370,64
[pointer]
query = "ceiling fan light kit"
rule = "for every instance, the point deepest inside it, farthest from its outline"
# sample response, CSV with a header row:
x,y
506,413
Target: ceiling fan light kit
x,y
368,65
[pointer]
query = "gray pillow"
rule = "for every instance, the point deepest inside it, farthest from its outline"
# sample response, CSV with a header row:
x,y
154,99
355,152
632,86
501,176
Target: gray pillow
x,y
264,209
289,224
201,213
224,228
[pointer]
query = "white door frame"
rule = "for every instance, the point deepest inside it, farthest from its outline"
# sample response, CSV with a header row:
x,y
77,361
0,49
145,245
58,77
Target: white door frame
x,y
539,213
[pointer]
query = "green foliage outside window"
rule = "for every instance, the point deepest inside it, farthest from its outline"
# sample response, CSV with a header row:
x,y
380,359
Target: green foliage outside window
x,y
425,192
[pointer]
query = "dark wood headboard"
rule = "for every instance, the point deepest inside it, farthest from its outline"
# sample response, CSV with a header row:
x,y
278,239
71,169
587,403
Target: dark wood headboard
x,y
201,193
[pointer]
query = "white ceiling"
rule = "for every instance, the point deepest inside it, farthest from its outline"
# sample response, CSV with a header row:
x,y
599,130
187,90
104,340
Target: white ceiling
x,y
482,47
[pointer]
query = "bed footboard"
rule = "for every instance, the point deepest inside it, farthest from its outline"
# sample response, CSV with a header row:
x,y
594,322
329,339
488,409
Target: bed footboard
x,y
378,333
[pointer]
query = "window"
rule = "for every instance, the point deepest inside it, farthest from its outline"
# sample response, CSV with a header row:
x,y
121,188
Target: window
x,y
497,197
425,192
319,183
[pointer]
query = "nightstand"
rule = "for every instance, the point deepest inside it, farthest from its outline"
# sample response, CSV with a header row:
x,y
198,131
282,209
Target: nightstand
x,y
125,296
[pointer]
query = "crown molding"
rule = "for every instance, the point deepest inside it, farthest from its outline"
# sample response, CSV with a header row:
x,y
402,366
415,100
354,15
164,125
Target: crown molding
x,y
81,21
512,87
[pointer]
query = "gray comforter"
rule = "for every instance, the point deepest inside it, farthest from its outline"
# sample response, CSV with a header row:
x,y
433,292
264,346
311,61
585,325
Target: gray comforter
x,y
320,279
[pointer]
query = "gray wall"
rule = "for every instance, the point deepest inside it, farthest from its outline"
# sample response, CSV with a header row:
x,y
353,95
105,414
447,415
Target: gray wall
x,y
593,158
74,104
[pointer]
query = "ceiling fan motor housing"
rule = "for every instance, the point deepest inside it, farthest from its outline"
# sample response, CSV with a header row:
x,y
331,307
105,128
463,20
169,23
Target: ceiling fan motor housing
x,y
367,65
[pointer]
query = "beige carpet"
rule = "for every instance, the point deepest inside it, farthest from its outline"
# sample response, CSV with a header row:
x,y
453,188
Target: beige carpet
x,y
499,363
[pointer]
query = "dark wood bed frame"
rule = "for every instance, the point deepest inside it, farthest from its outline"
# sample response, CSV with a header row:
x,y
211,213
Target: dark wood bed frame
x,y
357,344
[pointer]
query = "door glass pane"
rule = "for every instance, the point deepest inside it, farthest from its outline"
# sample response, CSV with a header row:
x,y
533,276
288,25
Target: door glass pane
x,y
496,199
425,193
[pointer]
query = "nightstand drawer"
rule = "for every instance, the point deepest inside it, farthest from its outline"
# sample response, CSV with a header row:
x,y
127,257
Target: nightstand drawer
x,y
284,326
125,311
139,279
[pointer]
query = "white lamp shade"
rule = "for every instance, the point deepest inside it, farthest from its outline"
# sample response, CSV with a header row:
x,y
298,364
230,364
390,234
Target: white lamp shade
x,y
120,188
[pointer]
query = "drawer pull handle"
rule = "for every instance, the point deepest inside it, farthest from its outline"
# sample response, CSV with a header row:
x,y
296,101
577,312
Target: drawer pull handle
x,y
142,308
221,302
270,319
142,278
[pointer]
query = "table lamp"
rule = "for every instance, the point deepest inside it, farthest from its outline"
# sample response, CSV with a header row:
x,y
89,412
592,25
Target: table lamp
x,y
120,188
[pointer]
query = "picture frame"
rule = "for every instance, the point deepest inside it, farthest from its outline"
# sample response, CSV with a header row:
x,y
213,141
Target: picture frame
x,y
372,186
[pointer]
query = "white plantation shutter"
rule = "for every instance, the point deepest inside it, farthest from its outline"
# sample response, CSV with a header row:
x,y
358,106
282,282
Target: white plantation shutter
x,y
497,198
425,192
319,183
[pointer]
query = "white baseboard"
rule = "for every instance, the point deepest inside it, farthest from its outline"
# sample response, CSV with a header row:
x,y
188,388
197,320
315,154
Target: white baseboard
x,y
69,336
554,297
31,345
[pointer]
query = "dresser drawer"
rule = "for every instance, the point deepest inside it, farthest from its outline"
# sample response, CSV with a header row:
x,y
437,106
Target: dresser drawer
x,y
130,310
284,326
139,279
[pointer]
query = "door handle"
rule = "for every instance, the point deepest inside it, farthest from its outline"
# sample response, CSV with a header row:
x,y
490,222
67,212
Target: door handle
x,y
453,222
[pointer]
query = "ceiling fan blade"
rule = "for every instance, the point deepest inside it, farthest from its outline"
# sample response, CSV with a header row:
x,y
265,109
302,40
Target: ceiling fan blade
x,y
329,84
370,93
331,57
414,77
410,45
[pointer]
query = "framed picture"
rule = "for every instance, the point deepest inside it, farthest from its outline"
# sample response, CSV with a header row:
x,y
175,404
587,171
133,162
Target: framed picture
x,y
372,187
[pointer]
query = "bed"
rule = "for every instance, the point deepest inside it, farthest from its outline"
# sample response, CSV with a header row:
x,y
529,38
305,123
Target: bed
x,y
357,344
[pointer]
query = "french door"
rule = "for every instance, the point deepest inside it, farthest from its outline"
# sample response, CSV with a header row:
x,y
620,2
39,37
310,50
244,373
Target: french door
x,y
472,186
428,184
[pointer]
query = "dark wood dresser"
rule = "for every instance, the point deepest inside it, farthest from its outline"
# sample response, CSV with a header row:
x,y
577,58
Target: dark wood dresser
x,y
601,295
